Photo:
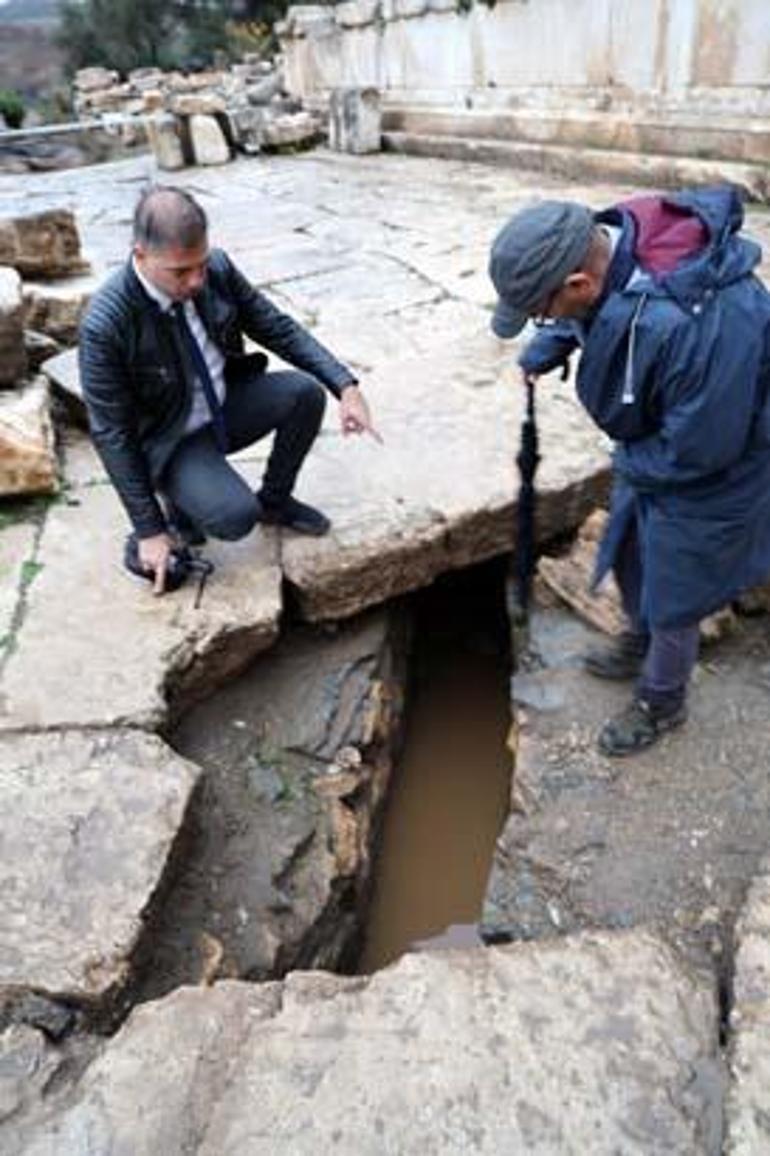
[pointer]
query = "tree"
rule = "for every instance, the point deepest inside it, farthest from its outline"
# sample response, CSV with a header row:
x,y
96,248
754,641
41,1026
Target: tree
x,y
127,34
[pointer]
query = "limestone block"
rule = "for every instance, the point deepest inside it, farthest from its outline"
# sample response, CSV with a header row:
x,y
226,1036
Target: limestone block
x,y
163,131
56,310
208,141
42,244
247,126
92,79
263,90
27,458
153,101
144,79
291,129
356,13
13,357
90,819
197,104
355,120
588,1045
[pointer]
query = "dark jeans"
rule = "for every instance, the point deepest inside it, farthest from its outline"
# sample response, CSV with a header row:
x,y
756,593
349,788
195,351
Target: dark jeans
x,y
671,654
201,483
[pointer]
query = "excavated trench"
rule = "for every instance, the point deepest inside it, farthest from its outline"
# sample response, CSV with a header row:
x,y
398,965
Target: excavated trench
x,y
285,861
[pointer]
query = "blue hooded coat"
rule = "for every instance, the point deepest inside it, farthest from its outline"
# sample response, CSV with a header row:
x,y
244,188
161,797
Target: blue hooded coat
x,y
675,369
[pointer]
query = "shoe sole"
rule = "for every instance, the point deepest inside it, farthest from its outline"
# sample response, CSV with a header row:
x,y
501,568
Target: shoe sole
x,y
598,671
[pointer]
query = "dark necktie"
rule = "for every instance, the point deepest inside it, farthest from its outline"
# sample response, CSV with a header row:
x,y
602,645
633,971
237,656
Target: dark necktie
x,y
204,377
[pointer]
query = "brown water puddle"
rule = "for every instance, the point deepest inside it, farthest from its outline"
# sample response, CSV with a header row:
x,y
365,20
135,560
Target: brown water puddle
x,y
450,796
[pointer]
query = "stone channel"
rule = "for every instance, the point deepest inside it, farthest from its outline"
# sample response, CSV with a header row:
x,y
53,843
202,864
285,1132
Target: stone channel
x,y
192,785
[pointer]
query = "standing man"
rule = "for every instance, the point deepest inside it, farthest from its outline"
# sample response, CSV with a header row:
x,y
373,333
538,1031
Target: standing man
x,y
661,296
170,391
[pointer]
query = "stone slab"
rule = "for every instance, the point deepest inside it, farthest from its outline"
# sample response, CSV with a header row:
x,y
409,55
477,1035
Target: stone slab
x,y
90,819
96,647
440,493
297,754
599,1044
671,837
17,546
748,1120
57,308
45,244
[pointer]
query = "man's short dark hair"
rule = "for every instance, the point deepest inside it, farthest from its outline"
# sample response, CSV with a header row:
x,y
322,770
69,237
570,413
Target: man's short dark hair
x,y
166,217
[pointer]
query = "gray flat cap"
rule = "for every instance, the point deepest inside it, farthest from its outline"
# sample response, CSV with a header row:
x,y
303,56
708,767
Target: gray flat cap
x,y
531,257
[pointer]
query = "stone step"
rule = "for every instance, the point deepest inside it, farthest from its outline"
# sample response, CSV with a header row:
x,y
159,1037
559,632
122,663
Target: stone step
x,y
576,162
717,138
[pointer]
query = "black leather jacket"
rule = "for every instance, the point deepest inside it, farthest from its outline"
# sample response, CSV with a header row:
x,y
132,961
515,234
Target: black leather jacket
x,y
137,384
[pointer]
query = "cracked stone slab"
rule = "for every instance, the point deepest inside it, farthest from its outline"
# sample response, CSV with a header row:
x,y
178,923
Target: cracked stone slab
x,y
440,492
748,1116
600,1044
17,546
670,837
95,647
90,819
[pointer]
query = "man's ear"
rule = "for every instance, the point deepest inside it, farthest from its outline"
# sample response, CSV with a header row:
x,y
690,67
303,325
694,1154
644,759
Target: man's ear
x,y
579,281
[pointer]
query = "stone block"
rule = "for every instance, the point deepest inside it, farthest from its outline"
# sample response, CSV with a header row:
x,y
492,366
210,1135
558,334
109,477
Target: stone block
x,y
355,120
56,310
92,79
602,1044
197,104
13,357
288,130
209,145
90,818
163,132
42,244
27,457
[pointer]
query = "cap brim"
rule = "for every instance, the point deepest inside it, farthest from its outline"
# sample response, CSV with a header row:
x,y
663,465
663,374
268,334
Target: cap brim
x,y
507,321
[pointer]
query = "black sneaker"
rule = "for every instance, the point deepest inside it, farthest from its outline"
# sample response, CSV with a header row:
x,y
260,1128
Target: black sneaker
x,y
620,659
638,727
181,564
294,515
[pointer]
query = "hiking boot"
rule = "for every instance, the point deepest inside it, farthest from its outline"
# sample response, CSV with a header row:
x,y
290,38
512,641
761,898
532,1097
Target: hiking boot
x,y
294,515
638,727
620,659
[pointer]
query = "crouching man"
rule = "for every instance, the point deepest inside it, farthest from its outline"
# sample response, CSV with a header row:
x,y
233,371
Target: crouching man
x,y
170,391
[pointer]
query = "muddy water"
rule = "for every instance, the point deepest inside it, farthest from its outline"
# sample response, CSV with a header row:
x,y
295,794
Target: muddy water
x,y
450,795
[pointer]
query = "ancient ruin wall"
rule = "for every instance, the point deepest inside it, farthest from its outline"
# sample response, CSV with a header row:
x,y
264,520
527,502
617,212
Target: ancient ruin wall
x,y
686,60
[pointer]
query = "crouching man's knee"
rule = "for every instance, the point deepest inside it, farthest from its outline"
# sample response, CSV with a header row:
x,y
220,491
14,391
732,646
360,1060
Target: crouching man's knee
x,y
233,521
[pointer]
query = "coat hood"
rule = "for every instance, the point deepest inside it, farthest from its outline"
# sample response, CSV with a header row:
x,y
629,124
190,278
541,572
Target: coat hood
x,y
688,243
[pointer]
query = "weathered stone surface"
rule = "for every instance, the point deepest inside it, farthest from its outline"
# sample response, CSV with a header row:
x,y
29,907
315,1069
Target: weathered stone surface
x,y
27,458
90,818
291,130
440,493
56,310
91,79
27,1063
208,141
13,358
155,649
671,837
355,120
599,1044
43,244
748,1123
165,141
297,754
63,373
206,104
